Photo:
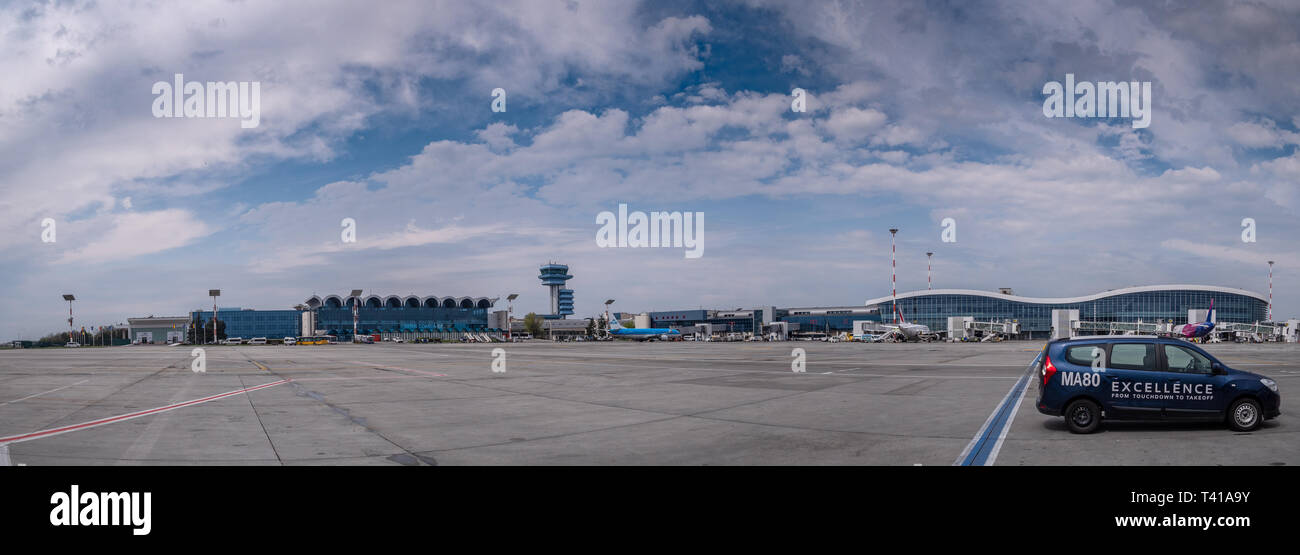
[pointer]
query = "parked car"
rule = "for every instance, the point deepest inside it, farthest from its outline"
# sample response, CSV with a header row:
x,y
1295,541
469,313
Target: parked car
x,y
290,341
1091,379
72,344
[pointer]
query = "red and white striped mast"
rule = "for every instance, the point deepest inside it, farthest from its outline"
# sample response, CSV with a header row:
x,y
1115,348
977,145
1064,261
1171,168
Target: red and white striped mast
x,y
893,270
929,283
1270,290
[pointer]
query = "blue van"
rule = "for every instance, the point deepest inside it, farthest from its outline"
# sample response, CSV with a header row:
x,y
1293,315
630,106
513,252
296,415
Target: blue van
x,y
1087,379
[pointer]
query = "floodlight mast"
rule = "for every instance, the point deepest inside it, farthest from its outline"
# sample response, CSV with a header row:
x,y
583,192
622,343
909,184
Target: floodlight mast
x,y
929,282
1270,291
893,271
356,312
607,315
69,297
214,293
510,310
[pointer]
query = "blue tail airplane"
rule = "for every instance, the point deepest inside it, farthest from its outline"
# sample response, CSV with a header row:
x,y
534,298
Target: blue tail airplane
x,y
640,334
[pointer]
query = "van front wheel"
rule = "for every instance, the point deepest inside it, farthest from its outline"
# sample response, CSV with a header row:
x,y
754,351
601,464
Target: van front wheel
x,y
1244,415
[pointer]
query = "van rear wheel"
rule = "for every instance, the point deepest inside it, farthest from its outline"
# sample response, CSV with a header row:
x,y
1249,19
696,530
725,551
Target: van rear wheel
x,y
1244,415
1083,416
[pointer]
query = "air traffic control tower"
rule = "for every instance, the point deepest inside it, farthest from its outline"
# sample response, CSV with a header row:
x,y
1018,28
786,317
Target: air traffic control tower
x,y
554,276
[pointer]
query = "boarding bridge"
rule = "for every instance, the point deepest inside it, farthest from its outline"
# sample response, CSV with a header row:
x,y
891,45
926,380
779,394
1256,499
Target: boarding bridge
x,y
1004,329
702,332
1120,328
778,331
967,328
1222,331
1256,332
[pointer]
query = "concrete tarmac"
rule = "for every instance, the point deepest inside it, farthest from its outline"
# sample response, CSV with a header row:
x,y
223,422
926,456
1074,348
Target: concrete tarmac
x,y
578,403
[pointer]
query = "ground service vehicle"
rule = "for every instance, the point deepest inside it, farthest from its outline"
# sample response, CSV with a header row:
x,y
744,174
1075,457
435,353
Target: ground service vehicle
x,y
1088,379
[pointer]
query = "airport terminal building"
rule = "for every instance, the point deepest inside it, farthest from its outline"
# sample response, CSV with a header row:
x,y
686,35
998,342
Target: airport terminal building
x,y
1151,304
401,315
452,317
933,308
831,319
376,315
248,323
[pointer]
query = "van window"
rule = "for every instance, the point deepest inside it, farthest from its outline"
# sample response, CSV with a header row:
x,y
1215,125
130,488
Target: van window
x,y
1083,354
1133,356
1182,359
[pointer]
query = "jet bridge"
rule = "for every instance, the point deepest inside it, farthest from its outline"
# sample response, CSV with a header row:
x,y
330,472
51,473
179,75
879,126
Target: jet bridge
x,y
1121,328
1256,332
967,328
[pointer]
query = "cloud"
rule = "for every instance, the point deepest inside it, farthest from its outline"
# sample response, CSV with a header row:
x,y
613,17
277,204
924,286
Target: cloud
x,y
497,136
79,121
1262,134
135,234
917,112
854,124
281,258
1230,254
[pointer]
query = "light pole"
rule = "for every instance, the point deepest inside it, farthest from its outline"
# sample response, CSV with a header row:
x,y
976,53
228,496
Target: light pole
x,y
608,322
1270,290
69,298
893,270
214,293
356,312
510,310
929,283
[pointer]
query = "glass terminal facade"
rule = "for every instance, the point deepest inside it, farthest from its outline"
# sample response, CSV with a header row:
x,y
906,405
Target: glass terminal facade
x,y
248,323
1152,304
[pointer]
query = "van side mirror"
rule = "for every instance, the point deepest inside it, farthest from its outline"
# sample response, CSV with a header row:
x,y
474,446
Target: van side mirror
x,y
1216,369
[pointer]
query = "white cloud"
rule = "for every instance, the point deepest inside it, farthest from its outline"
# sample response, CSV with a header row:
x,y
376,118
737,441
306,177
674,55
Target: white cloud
x,y
1236,254
1262,134
134,234
854,124
476,214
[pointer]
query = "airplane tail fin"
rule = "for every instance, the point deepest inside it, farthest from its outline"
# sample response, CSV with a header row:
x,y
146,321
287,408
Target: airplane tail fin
x,y
614,325
1209,316
899,314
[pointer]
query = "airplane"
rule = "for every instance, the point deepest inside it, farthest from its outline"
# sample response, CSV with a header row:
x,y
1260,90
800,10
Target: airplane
x,y
1199,329
904,331
617,331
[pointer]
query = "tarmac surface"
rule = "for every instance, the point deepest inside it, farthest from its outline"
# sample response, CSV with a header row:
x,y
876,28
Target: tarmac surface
x,y
616,403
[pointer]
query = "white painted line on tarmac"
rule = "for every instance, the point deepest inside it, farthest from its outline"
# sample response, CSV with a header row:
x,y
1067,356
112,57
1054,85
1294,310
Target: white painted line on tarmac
x,y
43,392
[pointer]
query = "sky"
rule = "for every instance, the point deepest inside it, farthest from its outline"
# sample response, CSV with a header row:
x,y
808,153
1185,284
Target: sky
x,y
916,112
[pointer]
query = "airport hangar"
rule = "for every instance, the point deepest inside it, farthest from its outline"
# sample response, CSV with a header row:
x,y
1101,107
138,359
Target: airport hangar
x,y
1150,304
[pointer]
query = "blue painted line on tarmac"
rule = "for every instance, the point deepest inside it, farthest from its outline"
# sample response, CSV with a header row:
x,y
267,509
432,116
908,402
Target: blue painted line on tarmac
x,y
986,443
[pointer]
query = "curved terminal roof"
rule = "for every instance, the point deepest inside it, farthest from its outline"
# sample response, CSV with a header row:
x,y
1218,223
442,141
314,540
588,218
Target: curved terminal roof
x,y
1068,300
397,301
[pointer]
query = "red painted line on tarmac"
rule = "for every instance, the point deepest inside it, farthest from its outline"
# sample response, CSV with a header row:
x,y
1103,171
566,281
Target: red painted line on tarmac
x,y
112,419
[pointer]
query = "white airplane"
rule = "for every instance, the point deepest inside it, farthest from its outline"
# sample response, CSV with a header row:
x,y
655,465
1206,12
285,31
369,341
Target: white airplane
x,y
903,331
